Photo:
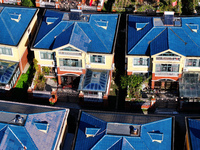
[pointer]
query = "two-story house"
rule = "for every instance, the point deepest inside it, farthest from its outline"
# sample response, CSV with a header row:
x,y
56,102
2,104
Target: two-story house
x,y
73,44
165,47
17,24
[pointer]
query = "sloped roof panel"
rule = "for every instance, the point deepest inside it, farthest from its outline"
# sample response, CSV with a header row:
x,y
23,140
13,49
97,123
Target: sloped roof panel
x,y
142,47
177,43
136,143
161,127
12,29
79,38
105,25
54,120
48,39
23,136
108,142
96,44
135,36
65,34
87,120
160,43
194,130
45,28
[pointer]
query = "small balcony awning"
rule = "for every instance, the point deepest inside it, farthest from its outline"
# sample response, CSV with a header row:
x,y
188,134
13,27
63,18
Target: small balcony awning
x,y
7,69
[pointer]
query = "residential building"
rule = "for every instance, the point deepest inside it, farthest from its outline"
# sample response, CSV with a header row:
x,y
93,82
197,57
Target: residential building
x,y
192,140
25,126
91,5
14,2
165,47
17,26
107,130
78,49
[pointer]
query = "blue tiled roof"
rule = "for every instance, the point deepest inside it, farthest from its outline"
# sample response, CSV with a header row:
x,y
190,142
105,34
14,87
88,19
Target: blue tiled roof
x,y
155,37
194,132
153,135
96,35
13,23
7,70
30,135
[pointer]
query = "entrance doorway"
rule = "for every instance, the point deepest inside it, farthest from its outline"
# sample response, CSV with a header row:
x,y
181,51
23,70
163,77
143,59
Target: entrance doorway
x,y
166,84
70,81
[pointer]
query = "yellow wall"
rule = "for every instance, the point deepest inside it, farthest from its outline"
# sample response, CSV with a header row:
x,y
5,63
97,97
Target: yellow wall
x,y
192,68
130,66
19,51
44,62
25,41
181,62
15,54
70,57
108,61
84,57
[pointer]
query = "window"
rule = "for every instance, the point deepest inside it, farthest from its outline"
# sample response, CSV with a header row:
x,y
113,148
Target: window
x,y
168,54
71,62
192,63
5,51
167,67
97,59
70,49
46,55
140,61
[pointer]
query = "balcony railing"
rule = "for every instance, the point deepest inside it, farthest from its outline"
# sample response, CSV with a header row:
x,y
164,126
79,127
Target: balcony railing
x,y
168,58
10,1
70,68
47,4
70,53
167,74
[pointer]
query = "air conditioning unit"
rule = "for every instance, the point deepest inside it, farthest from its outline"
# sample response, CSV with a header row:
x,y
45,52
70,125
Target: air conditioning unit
x,y
185,70
88,66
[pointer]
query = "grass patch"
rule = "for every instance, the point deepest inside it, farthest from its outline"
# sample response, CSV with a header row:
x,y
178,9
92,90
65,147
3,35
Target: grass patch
x,y
26,78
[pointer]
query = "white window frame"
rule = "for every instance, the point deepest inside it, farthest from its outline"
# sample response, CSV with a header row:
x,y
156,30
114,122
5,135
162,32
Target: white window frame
x,y
45,58
198,61
1,47
97,60
148,62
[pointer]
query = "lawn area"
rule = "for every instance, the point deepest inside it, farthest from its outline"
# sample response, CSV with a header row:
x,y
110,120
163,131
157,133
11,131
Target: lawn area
x,y
26,79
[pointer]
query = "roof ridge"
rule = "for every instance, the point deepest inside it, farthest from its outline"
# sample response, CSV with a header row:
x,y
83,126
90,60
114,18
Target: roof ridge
x,y
17,138
141,39
99,38
129,142
178,36
94,117
47,34
64,30
158,35
116,142
191,39
8,29
76,23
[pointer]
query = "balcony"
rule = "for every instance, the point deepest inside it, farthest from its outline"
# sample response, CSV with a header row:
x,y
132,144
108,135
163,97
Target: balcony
x,y
47,4
64,53
67,68
168,58
167,74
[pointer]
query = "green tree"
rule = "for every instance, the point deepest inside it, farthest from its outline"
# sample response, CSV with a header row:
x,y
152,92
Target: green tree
x,y
27,3
133,83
